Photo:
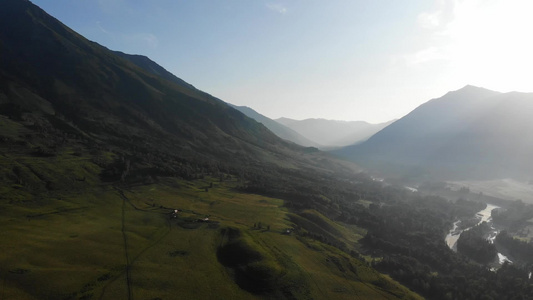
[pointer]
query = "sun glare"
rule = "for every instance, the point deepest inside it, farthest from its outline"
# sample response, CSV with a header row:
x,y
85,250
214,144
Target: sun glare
x,y
490,43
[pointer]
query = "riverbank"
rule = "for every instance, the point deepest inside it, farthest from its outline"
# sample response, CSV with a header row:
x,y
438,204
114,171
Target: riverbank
x,y
484,215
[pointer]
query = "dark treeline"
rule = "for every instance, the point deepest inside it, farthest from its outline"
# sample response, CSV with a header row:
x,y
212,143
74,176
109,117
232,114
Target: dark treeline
x,y
515,214
520,251
473,243
410,243
405,233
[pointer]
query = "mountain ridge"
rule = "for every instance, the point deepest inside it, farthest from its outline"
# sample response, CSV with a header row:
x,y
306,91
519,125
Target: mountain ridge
x,y
465,133
113,180
65,83
149,65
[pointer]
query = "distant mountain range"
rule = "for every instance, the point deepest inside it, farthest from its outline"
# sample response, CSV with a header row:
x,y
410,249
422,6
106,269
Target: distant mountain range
x,y
99,149
279,129
118,180
320,133
332,133
472,133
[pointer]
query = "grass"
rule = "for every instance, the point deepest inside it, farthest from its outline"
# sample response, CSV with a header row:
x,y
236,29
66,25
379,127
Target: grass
x,y
73,245
61,250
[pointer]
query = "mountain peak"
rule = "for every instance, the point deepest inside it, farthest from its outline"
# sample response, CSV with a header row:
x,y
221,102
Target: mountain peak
x,y
470,86
471,133
473,91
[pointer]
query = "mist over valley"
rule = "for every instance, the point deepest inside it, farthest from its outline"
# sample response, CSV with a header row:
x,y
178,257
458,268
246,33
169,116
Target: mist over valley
x,y
120,180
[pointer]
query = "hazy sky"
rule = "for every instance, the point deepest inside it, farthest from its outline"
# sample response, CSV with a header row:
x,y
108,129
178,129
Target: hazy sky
x,y
371,60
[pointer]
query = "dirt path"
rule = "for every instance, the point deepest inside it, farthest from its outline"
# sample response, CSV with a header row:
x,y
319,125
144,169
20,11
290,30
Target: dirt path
x,y
125,237
129,260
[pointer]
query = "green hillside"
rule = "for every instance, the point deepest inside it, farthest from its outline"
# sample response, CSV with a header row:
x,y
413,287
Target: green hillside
x,y
120,181
89,240
96,154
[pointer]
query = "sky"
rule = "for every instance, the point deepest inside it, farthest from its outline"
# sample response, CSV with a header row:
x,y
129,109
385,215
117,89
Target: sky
x,y
371,60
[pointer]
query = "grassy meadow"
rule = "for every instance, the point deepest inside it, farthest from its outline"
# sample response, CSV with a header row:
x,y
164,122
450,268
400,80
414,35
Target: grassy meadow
x,y
111,243
67,235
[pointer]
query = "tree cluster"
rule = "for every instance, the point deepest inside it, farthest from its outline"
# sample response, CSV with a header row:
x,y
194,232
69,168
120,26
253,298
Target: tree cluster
x,y
474,244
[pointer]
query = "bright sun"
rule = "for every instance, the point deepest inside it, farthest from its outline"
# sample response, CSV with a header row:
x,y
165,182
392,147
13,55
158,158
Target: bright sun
x,y
490,43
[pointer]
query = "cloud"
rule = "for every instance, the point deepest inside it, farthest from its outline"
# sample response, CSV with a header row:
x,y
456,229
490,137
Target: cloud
x,y
478,41
151,40
437,18
429,20
99,25
138,40
437,31
277,8
144,40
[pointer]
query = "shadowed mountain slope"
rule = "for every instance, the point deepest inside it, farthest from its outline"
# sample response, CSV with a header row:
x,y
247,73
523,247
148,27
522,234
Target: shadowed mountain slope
x,y
281,131
130,176
116,183
58,80
152,67
469,133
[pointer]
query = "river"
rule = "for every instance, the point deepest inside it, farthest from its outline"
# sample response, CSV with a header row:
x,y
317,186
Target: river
x,y
483,215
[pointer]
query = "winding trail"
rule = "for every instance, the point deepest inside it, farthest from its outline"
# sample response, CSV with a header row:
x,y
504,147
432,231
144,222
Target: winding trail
x,y
125,237
129,261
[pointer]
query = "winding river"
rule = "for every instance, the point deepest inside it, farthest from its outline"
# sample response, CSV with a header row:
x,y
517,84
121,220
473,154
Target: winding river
x,y
483,216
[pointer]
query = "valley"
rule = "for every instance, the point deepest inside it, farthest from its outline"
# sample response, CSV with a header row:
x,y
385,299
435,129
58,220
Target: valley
x,y
119,180
127,242
483,216
510,189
